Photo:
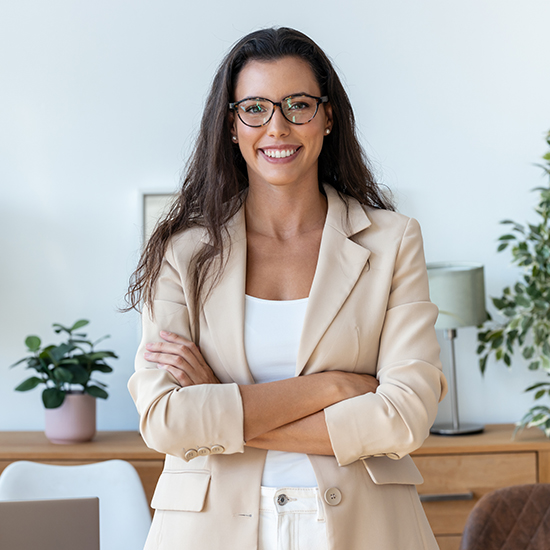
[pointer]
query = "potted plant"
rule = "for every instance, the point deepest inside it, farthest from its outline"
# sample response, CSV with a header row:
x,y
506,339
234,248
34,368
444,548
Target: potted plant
x,y
66,370
525,306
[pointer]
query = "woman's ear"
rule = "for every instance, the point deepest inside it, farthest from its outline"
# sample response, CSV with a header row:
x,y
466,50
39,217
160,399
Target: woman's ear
x,y
328,118
233,128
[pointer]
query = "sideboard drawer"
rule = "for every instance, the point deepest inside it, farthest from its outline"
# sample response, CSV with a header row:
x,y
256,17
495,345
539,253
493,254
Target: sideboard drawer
x,y
454,483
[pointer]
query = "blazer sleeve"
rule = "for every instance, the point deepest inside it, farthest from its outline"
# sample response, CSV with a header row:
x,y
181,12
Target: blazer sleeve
x,y
176,419
395,420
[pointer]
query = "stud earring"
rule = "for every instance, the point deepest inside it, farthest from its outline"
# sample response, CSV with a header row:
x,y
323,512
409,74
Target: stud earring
x,y
234,138
327,131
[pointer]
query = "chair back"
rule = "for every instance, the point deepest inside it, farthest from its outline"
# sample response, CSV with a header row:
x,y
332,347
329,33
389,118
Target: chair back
x,y
124,515
513,518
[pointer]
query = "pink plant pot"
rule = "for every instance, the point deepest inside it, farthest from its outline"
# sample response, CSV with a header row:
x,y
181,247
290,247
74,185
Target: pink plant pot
x,y
74,421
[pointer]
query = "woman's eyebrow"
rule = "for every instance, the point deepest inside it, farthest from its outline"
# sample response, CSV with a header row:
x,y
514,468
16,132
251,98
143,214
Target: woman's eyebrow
x,y
284,97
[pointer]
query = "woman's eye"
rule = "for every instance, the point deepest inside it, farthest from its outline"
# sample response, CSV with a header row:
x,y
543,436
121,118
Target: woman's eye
x,y
254,109
298,106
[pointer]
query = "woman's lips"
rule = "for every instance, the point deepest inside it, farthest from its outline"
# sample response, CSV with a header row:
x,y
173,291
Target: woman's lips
x,y
280,155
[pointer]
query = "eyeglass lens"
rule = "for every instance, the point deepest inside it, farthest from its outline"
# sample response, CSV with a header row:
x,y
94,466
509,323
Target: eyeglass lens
x,y
296,109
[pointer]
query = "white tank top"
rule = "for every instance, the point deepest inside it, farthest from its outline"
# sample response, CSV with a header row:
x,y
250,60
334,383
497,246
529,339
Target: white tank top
x,y
272,331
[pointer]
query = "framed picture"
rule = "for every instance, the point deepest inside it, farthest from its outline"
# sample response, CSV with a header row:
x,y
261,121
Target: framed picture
x,y
155,206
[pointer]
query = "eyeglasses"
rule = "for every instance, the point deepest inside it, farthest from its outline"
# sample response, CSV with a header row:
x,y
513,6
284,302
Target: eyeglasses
x,y
297,109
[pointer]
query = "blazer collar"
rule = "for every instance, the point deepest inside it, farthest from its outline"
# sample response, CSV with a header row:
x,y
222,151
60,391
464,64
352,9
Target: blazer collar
x,y
341,262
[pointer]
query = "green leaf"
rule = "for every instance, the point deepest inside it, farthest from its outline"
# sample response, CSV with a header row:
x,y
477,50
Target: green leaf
x,y
506,237
507,360
528,352
527,323
534,365
537,385
483,364
522,301
480,349
101,368
499,303
496,343
59,329
33,343
101,355
96,391
539,394
53,398
514,324
502,247
80,374
29,384
25,359
70,361
58,352
482,336
62,374
79,324
80,341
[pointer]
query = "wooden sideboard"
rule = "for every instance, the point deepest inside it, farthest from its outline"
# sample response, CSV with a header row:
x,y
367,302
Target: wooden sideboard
x,y
105,446
457,470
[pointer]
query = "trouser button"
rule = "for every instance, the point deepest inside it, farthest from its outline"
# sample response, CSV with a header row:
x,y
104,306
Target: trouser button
x,y
282,500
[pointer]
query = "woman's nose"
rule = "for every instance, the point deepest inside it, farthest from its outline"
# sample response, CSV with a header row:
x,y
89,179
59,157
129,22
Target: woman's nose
x,y
278,125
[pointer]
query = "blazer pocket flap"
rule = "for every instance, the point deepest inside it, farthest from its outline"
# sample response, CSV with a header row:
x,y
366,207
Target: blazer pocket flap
x,y
181,491
384,470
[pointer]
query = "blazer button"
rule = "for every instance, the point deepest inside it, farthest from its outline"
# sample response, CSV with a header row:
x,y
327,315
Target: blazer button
x,y
191,454
203,451
333,496
217,449
393,456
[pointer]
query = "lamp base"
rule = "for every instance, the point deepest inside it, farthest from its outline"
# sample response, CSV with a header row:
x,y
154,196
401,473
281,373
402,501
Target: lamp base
x,y
464,428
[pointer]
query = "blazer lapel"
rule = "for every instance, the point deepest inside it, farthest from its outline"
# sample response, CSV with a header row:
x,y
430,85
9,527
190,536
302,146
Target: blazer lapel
x,y
224,309
341,262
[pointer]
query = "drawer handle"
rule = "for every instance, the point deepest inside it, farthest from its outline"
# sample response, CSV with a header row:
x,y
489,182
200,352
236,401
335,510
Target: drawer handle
x,y
447,496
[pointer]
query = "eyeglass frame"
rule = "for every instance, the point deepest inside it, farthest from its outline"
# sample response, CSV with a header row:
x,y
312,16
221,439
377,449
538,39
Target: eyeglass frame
x,y
320,100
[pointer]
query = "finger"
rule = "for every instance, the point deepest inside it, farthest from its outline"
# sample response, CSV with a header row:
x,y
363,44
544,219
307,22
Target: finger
x,y
176,338
180,376
176,361
182,356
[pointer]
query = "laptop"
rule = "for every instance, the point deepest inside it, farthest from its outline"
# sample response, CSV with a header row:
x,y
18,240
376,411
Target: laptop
x,y
61,524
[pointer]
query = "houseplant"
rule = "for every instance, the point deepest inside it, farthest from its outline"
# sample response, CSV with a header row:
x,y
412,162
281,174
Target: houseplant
x,y
525,307
66,371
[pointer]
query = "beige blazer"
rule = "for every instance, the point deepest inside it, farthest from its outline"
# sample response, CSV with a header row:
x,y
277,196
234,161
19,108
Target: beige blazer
x,y
368,312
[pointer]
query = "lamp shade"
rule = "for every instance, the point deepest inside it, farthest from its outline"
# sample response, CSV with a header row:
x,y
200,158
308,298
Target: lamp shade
x,y
458,290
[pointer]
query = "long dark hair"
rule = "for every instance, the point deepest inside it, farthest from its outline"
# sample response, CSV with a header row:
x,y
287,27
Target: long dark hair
x,y
215,181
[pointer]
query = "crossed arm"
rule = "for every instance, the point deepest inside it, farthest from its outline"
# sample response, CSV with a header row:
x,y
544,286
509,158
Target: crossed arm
x,y
286,415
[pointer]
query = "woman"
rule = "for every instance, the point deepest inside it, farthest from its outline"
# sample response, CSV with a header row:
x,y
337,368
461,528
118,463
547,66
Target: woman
x,y
288,363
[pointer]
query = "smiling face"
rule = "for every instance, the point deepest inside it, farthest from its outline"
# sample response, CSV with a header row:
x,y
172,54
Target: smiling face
x,y
280,153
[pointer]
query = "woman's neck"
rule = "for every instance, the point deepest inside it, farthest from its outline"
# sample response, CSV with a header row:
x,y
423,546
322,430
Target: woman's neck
x,y
285,212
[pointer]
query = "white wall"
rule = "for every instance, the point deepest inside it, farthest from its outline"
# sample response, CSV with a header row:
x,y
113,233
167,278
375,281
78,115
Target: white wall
x,y
101,99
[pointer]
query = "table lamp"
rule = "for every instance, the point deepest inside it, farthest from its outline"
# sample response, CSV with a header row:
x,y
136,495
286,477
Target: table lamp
x,y
458,290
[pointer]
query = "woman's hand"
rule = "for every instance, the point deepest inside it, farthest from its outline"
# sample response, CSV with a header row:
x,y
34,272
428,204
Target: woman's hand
x,y
351,384
182,359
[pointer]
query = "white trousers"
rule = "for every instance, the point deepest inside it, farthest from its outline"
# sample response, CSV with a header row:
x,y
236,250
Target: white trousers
x,y
292,519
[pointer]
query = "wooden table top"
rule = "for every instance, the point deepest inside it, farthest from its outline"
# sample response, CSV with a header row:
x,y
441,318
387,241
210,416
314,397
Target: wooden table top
x,y
125,445
495,438
128,445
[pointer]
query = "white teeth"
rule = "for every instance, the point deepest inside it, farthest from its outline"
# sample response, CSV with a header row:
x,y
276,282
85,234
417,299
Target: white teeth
x,y
278,154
